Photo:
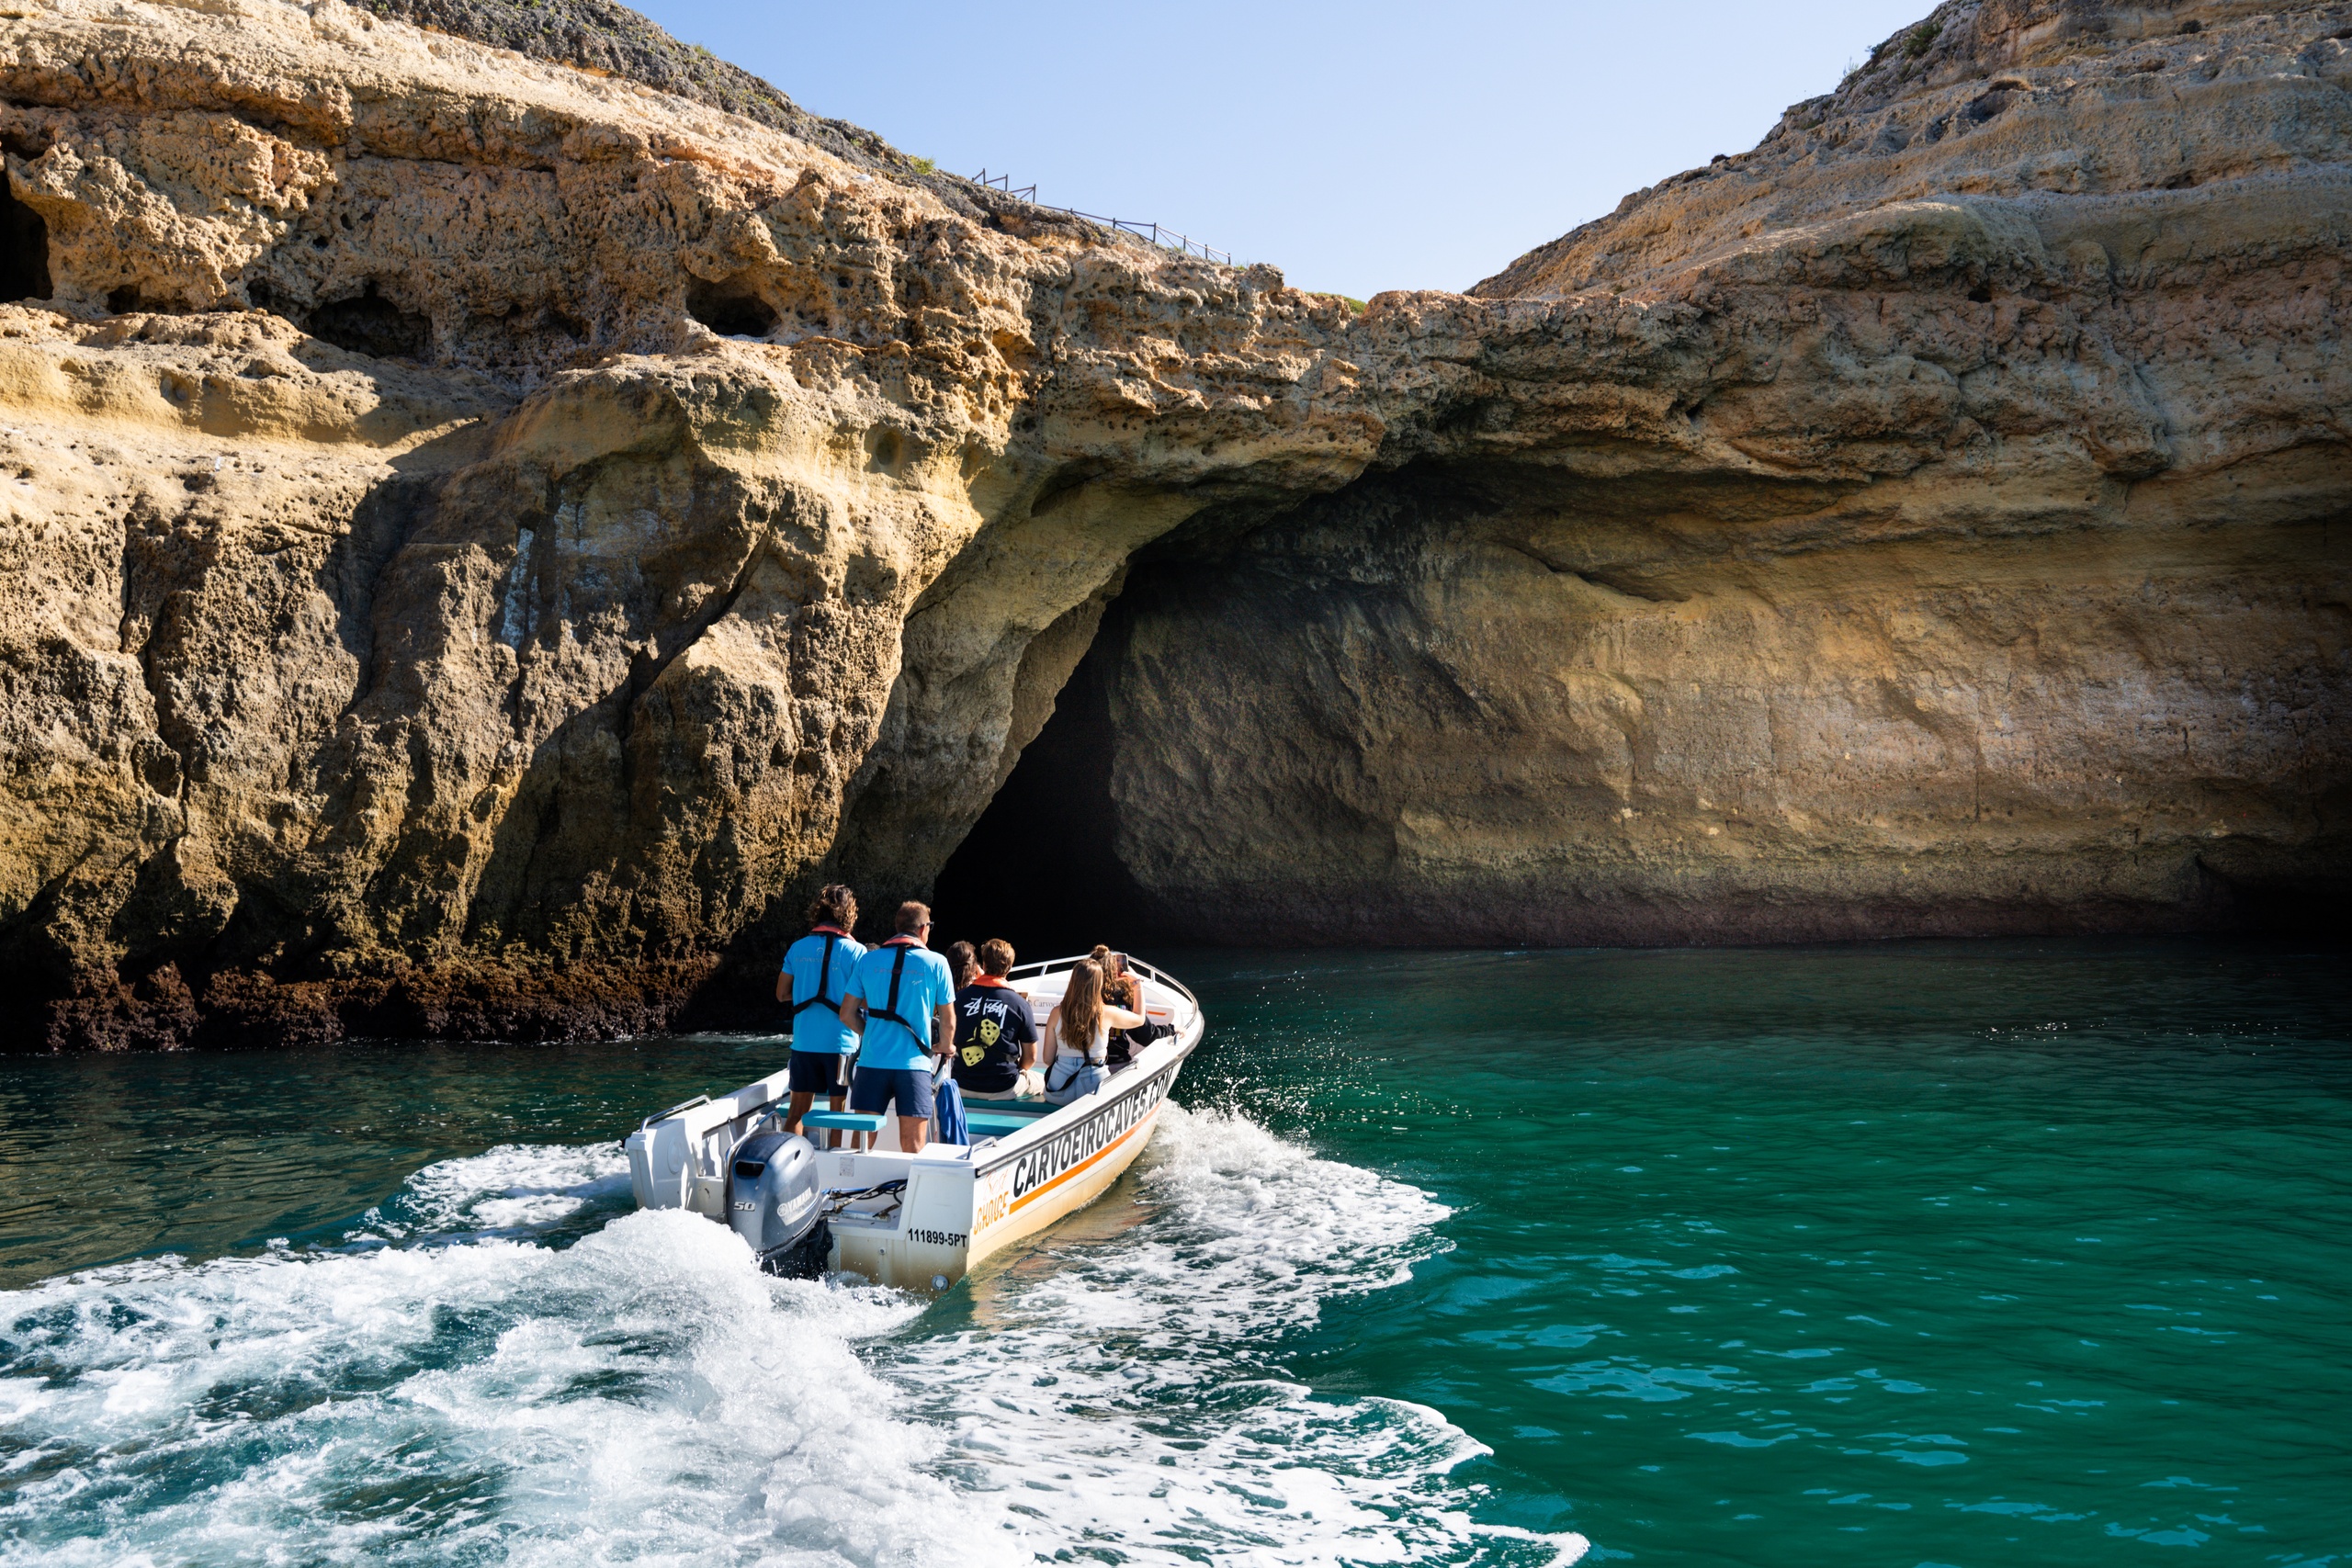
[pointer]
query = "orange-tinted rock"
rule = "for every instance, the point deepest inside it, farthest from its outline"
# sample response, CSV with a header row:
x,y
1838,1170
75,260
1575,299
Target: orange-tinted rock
x,y
482,537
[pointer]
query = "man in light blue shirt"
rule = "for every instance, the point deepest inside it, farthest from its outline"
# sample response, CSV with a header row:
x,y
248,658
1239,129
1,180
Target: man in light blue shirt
x,y
814,980
902,1001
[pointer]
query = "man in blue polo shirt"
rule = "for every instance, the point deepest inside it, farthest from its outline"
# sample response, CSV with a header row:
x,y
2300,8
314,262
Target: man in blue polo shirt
x,y
814,980
901,999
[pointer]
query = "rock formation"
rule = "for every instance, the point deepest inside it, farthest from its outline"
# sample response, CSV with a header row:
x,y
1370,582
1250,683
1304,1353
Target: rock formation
x,y
1932,521
485,535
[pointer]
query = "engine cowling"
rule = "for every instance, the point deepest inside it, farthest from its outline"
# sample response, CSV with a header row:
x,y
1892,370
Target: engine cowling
x,y
776,1202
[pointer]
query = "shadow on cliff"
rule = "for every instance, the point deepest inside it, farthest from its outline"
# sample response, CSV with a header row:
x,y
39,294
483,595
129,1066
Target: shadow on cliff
x,y
1040,868
164,940
1270,703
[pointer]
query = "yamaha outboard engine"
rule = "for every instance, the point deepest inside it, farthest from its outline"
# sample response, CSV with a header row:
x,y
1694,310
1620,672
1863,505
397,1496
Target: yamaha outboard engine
x,y
773,1202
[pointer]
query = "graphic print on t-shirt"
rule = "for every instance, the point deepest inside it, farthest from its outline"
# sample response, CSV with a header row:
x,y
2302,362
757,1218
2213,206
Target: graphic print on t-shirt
x,y
992,1023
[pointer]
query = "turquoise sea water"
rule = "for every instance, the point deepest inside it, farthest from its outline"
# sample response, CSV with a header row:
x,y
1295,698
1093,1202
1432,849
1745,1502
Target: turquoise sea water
x,y
1952,1253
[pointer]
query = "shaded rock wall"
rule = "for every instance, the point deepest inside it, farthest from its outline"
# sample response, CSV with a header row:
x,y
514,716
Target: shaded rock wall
x,y
483,537
1424,712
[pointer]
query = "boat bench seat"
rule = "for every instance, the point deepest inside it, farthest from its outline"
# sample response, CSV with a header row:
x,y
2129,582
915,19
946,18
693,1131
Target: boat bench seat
x,y
996,1124
843,1120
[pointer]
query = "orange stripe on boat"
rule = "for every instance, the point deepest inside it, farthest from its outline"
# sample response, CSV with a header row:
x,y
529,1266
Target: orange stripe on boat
x,y
1039,1193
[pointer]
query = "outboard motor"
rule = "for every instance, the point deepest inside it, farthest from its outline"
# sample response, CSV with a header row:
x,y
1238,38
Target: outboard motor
x,y
773,1201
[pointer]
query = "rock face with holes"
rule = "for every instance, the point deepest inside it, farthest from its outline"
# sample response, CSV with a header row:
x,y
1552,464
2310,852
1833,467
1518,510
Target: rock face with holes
x,y
468,517
483,537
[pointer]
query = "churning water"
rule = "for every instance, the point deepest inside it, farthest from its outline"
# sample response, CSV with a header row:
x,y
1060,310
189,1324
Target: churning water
x,y
503,1362
1941,1254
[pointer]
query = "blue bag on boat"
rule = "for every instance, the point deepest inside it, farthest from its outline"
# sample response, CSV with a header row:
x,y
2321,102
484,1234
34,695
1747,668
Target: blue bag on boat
x,y
947,1114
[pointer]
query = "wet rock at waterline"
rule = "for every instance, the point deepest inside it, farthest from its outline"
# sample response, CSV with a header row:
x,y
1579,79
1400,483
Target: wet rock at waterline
x,y
484,537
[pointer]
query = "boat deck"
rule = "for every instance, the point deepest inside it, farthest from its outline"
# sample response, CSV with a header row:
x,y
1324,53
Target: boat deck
x,y
922,1217
713,1126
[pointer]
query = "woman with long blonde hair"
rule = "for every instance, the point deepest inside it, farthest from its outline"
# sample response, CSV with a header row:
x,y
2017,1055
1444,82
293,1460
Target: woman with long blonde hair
x,y
1079,1028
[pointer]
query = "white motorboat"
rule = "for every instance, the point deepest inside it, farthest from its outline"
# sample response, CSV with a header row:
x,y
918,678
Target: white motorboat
x,y
917,1220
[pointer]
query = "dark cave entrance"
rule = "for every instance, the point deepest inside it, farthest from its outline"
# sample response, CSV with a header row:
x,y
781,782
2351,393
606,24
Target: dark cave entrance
x,y
24,248
372,325
732,309
1038,868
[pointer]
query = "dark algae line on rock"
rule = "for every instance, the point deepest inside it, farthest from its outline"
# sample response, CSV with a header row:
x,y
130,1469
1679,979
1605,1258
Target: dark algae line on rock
x,y
496,513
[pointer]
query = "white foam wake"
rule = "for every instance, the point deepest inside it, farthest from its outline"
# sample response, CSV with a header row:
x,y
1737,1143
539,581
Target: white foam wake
x,y
513,1189
452,1388
1123,1394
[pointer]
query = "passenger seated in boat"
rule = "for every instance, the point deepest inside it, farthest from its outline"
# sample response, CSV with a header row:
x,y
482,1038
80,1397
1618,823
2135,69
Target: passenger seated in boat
x,y
962,963
1120,989
996,1034
902,1001
811,985
1079,1028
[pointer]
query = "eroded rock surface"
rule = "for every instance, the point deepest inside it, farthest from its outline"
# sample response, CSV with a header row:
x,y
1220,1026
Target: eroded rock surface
x,y
484,537
1932,521
467,515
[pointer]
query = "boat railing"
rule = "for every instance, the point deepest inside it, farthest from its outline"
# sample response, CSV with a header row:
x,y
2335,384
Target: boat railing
x,y
665,1115
1150,973
1045,967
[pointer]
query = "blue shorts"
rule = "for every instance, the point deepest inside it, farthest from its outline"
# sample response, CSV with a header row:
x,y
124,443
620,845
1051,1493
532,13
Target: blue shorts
x,y
876,1087
817,1072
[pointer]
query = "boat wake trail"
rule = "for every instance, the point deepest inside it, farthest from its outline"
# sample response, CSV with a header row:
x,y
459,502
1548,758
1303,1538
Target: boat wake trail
x,y
504,1364
1121,1393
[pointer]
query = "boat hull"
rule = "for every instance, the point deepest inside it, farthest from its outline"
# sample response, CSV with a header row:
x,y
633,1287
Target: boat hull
x,y
1021,1193
960,1204
960,1207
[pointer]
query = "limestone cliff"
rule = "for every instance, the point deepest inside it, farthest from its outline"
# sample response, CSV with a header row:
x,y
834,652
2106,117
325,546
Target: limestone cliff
x,y
485,535
1932,521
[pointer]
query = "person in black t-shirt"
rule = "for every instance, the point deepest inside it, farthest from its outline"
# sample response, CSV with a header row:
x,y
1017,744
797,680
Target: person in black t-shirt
x,y
996,1034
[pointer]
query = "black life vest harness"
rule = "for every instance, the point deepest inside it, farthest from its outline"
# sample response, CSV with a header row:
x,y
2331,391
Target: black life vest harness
x,y
889,1011
824,978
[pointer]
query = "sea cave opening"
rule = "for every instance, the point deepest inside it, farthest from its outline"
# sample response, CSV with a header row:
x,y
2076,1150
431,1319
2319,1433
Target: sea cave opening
x,y
1040,868
24,248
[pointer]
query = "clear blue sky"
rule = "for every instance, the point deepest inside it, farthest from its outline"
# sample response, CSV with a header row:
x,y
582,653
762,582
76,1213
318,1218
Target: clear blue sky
x,y
1357,147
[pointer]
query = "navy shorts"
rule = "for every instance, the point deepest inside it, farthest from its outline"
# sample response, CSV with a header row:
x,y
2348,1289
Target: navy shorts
x,y
817,1072
877,1087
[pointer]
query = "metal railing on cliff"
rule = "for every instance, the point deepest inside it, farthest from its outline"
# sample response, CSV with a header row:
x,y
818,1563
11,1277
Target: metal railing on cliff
x,y
1158,234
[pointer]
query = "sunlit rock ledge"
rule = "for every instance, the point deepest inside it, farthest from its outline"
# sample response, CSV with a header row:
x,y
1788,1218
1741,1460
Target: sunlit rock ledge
x,y
483,537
